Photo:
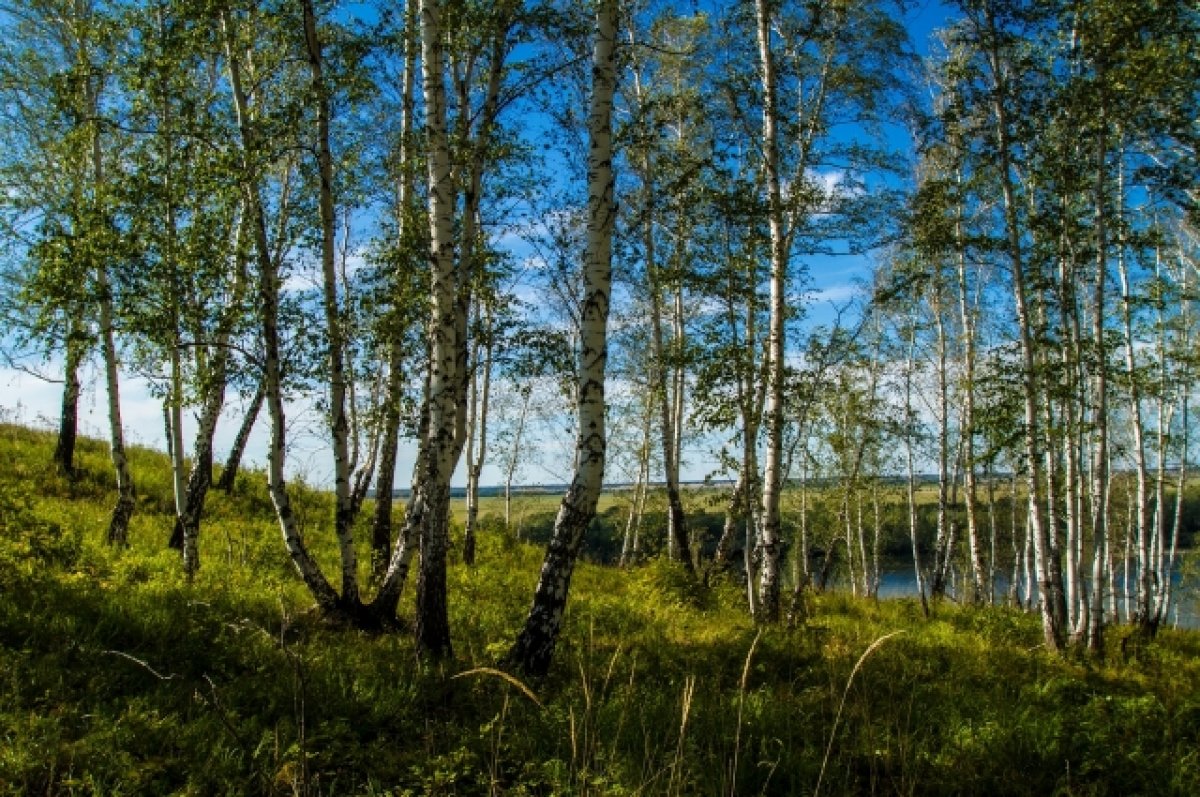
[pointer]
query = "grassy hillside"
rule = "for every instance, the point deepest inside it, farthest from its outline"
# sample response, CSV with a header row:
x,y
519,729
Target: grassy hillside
x,y
116,677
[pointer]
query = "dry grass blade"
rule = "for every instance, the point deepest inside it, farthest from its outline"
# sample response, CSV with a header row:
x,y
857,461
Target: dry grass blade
x,y
516,682
737,736
845,692
689,690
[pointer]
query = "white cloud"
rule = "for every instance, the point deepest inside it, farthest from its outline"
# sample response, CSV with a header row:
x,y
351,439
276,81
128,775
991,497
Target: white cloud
x,y
837,294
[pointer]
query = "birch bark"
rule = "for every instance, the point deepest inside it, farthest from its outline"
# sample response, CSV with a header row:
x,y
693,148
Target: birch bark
x,y
381,528
339,425
268,302
118,527
432,626
1050,592
770,532
534,646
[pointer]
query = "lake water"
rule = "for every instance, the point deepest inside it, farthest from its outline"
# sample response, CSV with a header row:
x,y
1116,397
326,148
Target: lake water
x,y
898,581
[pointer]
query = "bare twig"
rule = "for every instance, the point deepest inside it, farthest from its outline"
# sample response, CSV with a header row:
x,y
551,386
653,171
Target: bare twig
x,y
144,665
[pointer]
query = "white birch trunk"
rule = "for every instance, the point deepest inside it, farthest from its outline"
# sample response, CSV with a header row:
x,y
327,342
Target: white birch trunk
x,y
770,540
910,461
941,546
968,313
200,478
432,626
534,646
68,421
268,301
1100,459
629,553
1141,529
339,424
118,527
1049,593
381,527
475,459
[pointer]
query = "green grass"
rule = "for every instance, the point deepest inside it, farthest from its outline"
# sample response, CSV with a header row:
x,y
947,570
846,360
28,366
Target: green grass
x,y
118,677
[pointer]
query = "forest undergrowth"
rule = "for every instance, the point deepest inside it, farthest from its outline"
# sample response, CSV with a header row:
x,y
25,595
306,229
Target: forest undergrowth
x,y
119,677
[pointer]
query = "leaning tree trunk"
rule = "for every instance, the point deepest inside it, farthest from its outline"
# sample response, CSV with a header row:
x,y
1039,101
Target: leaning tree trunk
x,y
339,424
751,397
187,524
534,646
187,527
233,462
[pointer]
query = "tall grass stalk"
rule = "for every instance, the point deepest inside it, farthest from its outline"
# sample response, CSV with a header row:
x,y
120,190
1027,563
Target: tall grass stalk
x,y
689,689
737,735
503,676
845,692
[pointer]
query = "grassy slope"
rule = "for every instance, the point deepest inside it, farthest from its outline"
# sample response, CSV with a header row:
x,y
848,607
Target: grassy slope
x,y
116,677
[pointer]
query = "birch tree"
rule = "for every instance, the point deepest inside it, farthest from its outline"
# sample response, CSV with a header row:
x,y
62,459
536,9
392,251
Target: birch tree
x,y
816,64
534,646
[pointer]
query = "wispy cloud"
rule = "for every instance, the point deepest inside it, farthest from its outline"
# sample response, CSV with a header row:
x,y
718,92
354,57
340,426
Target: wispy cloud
x,y
837,294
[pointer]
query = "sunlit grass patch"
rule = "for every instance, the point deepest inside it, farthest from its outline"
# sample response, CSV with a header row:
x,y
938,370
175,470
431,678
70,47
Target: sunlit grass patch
x,y
118,676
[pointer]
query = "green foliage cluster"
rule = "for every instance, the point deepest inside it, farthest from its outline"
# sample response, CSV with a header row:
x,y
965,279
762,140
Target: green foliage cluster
x,y
119,677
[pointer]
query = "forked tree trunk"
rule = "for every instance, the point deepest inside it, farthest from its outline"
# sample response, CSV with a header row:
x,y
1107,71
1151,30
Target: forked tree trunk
x,y
665,389
734,514
387,597
187,527
751,398
534,646
187,524
268,306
